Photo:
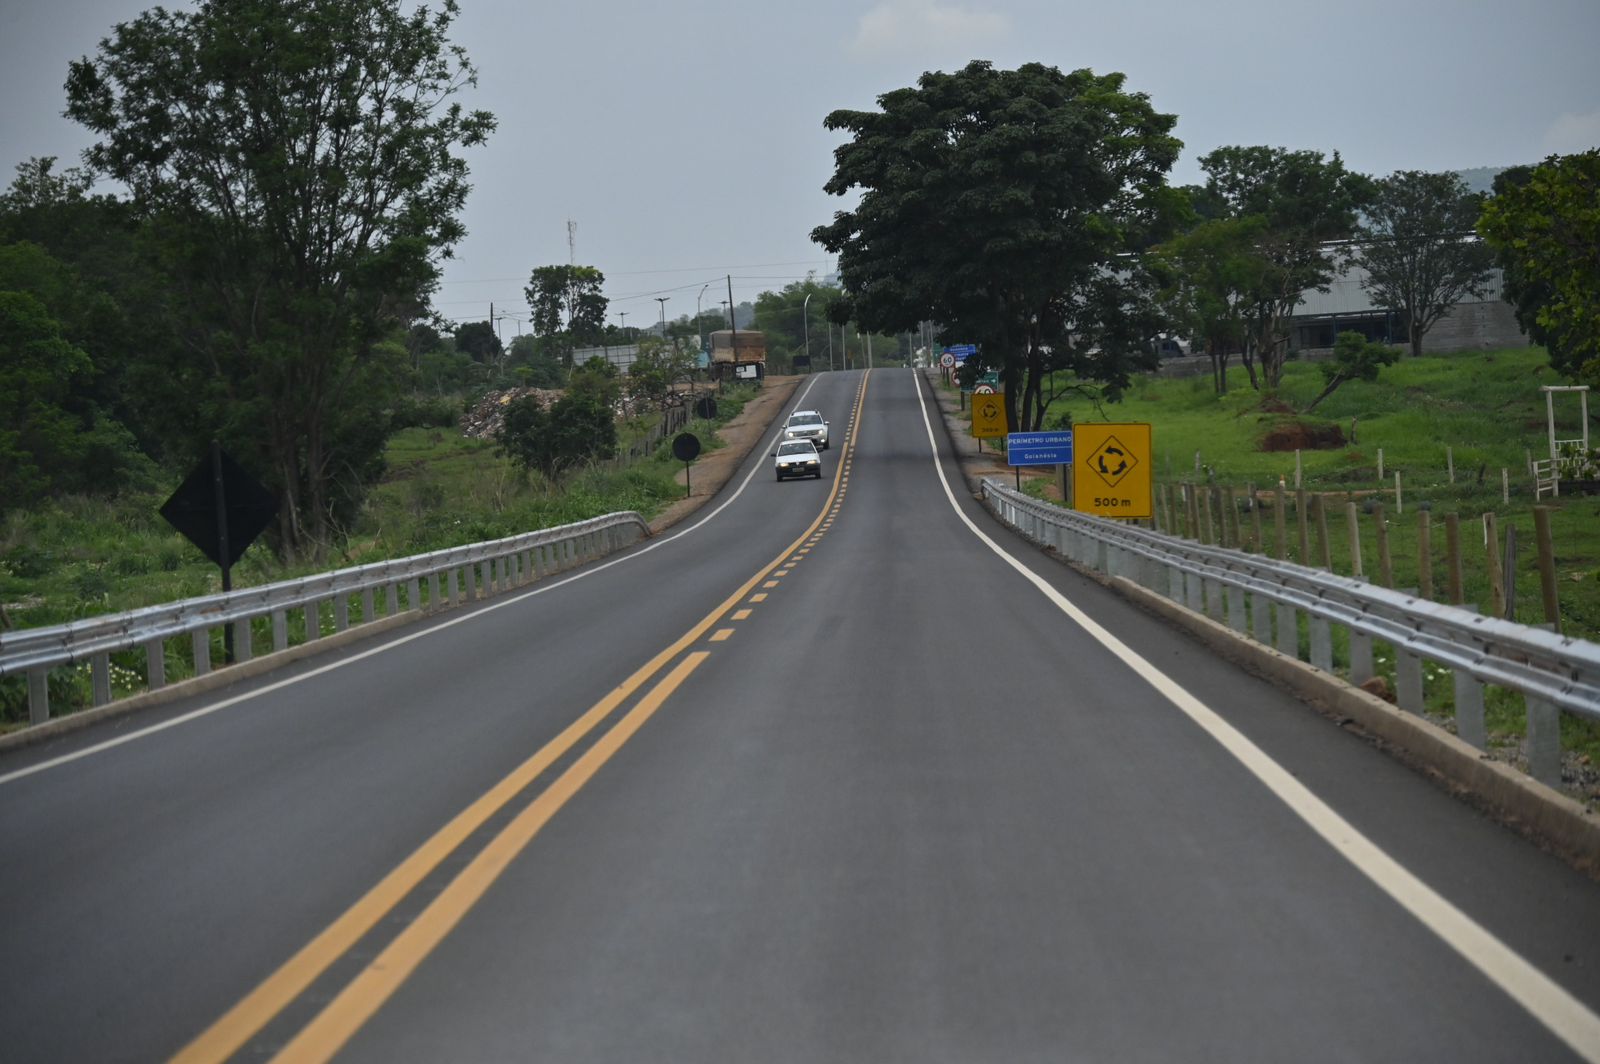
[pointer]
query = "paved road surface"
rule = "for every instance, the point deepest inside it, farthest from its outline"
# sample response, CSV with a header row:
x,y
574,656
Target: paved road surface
x,y
821,778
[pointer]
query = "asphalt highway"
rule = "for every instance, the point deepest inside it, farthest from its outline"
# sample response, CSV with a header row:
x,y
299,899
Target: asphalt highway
x,y
836,770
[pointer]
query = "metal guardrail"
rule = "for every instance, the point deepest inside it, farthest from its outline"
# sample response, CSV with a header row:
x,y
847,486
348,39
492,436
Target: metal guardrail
x,y
1265,598
465,573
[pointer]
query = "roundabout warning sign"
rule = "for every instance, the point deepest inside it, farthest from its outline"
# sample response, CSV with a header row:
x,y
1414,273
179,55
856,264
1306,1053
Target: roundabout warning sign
x,y
1112,476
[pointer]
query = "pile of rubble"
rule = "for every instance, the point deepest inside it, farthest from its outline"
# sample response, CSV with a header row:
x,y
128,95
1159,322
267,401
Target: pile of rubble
x,y
483,421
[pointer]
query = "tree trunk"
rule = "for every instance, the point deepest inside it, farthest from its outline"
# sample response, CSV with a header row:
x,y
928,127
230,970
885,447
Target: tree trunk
x,y
1414,328
1337,380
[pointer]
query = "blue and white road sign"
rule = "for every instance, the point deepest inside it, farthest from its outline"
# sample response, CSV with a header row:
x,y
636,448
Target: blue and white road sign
x,y
1039,448
962,351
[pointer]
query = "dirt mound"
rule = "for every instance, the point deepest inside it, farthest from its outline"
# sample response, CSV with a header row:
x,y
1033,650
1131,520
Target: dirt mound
x,y
1298,436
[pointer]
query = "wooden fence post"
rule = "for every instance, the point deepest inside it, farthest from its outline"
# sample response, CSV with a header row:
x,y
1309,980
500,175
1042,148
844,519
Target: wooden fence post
x,y
1278,521
1324,545
1452,562
1385,561
1353,517
1304,521
1547,566
1425,554
1497,587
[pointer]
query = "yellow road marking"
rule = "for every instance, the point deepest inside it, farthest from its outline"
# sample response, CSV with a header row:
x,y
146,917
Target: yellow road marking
x,y
740,615
721,634
258,1008
334,1025
770,583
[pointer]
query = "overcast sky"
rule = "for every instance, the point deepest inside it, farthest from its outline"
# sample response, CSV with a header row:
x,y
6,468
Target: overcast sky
x,y
687,142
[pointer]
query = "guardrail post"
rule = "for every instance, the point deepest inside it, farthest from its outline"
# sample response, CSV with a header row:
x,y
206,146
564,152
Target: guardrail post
x,y
1288,630
502,571
541,564
391,600
1321,642
241,639
280,630
1360,657
155,669
455,589
1469,710
341,612
1544,741
414,594
435,598
100,672
313,613
1213,597
1236,619
38,696
1261,618
1194,592
1408,681
201,641
368,605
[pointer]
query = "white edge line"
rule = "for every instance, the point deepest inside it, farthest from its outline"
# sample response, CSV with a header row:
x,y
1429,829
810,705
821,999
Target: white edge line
x,y
1565,1016
449,622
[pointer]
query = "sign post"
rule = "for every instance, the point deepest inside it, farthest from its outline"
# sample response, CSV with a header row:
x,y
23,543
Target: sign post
x,y
1112,469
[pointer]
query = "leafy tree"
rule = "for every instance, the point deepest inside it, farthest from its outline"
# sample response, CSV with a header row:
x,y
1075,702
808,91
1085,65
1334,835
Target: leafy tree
x,y
567,306
1355,358
299,160
596,380
1001,202
1419,249
558,438
1209,278
1302,201
477,338
543,368
1546,230
651,378
786,319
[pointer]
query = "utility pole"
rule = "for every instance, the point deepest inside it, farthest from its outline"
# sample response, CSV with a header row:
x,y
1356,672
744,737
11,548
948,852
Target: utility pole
x,y
805,325
663,301
623,328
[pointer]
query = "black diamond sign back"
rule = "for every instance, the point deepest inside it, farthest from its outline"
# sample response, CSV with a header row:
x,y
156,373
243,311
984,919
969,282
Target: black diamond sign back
x,y
192,509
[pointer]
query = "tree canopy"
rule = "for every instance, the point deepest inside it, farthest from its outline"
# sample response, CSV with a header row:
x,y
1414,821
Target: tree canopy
x,y
1004,204
299,162
1419,249
1546,230
568,306
1301,201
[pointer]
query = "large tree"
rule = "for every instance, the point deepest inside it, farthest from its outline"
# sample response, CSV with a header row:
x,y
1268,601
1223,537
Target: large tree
x,y
1210,276
1419,249
300,160
568,307
1546,230
794,315
1302,201
1001,202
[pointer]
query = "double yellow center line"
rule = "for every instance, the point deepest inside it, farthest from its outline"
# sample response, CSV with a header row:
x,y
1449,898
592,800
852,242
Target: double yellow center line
x,y
366,993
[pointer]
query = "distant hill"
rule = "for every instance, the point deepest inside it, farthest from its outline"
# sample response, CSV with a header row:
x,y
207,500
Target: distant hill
x,y
1481,178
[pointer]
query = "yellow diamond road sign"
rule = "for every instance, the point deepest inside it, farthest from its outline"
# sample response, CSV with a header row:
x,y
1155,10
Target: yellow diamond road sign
x,y
989,417
1111,475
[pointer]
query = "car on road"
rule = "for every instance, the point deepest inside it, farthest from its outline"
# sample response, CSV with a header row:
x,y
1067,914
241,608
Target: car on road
x,y
798,458
807,425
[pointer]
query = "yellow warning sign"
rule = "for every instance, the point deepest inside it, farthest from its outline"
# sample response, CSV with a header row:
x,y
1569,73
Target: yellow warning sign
x,y
989,417
1111,469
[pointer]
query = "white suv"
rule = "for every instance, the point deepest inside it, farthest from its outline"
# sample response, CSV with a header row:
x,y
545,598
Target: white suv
x,y
807,425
